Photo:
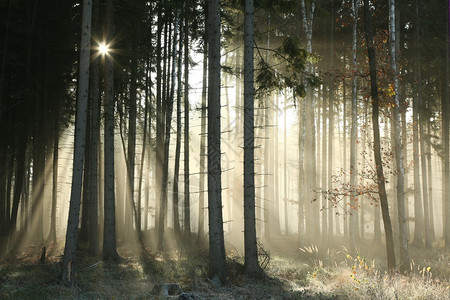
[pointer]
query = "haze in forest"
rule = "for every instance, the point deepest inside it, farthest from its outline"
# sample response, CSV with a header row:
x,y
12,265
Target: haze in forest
x,y
189,126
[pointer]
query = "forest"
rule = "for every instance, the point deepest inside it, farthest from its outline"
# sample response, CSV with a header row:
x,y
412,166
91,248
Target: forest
x,y
234,149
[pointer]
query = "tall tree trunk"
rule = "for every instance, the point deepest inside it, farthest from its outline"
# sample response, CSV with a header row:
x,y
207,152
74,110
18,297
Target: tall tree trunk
x,y
324,176
404,252
165,172
446,144
430,183
217,263
94,115
418,211
52,234
285,180
251,250
310,176
201,201
131,147
109,228
354,205
176,176
80,134
159,115
268,184
187,202
376,138
331,126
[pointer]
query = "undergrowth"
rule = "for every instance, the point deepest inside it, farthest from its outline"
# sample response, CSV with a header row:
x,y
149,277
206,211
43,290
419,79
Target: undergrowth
x,y
314,273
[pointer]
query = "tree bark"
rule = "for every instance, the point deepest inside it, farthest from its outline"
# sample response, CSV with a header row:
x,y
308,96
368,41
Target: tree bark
x,y
354,205
187,202
217,263
251,250
80,134
404,252
109,228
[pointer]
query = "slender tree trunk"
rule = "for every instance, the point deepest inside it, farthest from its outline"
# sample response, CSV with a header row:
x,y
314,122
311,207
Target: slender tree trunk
x,y
94,115
446,144
217,263
80,134
187,202
418,211
404,252
331,127
201,202
324,177
430,183
165,175
376,136
176,176
159,116
285,180
109,231
268,184
354,205
344,150
310,176
131,147
251,250
52,234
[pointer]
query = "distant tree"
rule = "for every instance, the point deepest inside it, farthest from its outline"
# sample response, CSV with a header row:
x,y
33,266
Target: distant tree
x,y
187,203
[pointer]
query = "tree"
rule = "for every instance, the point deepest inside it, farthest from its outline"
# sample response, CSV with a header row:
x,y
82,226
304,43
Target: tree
x,y
380,178
404,252
312,213
94,117
187,203
353,229
217,263
79,144
251,250
109,230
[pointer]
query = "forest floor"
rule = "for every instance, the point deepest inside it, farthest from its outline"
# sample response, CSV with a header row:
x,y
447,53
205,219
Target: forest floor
x,y
310,272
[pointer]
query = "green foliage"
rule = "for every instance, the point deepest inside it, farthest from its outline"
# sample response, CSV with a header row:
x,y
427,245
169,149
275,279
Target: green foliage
x,y
287,70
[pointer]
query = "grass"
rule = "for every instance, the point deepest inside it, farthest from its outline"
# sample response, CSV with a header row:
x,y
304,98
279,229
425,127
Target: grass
x,y
312,273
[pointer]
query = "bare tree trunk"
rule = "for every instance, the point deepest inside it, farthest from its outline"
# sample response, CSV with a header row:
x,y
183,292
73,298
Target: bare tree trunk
x,y
418,212
308,19
168,122
187,202
94,115
109,228
354,205
324,177
446,145
404,252
331,127
430,183
201,201
80,134
52,234
176,176
217,263
251,250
